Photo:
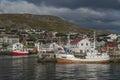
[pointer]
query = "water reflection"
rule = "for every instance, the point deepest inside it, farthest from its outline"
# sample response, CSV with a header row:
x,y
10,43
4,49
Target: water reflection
x,y
23,69
29,69
45,71
5,70
17,69
97,71
83,71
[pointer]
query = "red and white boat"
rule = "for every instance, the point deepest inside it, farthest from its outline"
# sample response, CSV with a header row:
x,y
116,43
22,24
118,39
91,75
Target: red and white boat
x,y
19,50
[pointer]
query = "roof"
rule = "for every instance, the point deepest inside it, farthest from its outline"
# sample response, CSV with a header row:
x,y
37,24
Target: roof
x,y
75,41
111,44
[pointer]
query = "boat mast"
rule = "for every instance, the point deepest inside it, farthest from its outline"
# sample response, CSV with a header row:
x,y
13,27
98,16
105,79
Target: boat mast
x,y
94,44
68,41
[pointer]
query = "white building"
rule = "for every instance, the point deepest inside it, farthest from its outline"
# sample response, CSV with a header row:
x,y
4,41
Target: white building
x,y
8,40
49,47
111,37
80,44
118,46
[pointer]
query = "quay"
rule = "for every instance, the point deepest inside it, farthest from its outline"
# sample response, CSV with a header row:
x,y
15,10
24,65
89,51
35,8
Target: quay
x,y
46,57
114,58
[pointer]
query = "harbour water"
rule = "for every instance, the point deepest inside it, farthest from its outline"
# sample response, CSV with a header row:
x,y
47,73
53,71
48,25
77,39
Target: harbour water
x,y
30,69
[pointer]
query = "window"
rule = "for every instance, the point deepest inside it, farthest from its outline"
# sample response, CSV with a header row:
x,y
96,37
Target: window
x,y
86,44
81,44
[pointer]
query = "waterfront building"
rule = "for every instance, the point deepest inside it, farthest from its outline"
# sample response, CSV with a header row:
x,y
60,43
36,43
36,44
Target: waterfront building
x,y
111,37
80,45
8,40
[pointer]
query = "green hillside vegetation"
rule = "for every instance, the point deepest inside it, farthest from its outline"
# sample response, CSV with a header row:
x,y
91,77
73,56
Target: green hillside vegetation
x,y
45,22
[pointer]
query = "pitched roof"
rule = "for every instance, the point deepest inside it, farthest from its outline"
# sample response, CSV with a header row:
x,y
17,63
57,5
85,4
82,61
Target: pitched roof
x,y
75,41
111,44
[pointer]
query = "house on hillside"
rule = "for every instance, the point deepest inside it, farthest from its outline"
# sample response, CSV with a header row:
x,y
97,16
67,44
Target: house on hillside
x,y
111,37
21,29
49,47
39,31
2,30
54,46
82,34
8,40
118,39
29,42
24,34
111,47
102,37
100,44
118,46
80,45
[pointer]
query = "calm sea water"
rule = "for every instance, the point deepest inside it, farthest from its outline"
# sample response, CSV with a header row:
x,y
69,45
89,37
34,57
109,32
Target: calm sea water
x,y
29,69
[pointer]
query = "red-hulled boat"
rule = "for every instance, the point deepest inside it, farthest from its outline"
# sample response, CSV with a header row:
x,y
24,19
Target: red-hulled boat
x,y
19,50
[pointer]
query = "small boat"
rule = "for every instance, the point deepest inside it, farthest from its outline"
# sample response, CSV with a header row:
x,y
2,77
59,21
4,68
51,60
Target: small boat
x,y
90,56
19,50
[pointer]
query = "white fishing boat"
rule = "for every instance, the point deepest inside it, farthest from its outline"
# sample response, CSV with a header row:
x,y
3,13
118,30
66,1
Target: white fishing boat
x,y
91,56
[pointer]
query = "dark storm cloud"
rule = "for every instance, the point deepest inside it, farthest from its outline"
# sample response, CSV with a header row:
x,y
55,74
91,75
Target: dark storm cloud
x,y
104,4
98,14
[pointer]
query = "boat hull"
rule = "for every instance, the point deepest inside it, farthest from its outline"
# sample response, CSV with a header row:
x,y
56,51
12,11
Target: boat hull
x,y
84,61
14,53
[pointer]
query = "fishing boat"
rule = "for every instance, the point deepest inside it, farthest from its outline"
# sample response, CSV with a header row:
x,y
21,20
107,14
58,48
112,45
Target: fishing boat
x,y
90,56
19,50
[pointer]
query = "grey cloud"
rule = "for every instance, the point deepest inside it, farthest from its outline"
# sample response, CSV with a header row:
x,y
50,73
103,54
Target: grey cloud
x,y
99,18
73,4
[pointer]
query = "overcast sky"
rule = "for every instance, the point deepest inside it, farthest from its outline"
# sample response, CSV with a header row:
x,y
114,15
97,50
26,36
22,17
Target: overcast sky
x,y
98,14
